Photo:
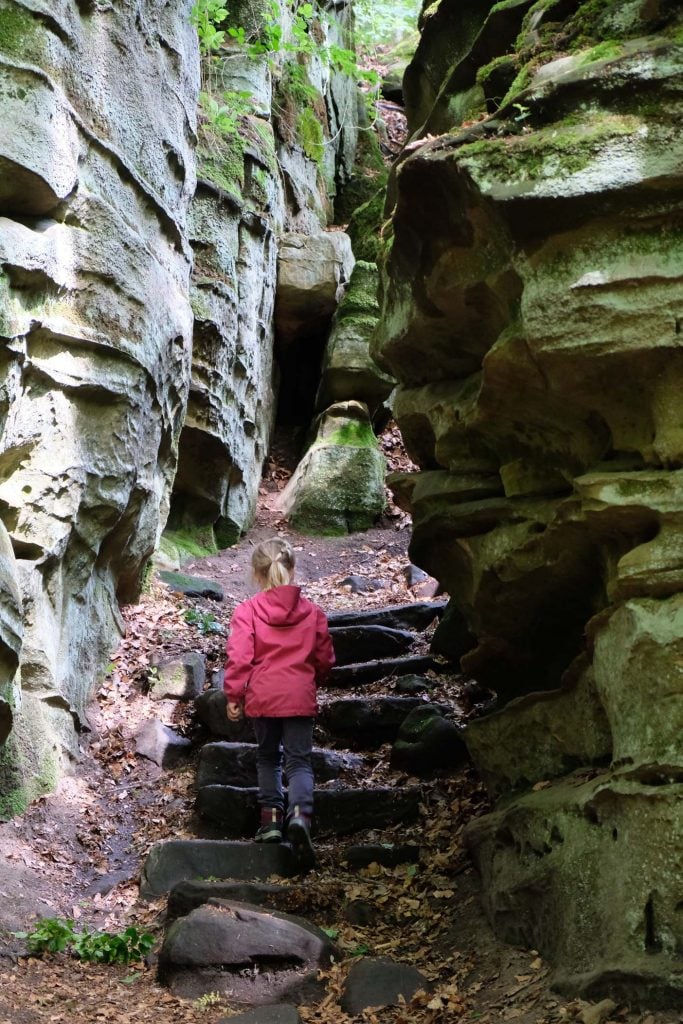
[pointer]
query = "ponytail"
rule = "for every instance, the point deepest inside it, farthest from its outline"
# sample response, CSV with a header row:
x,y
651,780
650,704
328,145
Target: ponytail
x,y
273,563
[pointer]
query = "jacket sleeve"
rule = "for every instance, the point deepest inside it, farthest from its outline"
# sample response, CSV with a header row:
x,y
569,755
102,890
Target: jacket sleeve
x,y
240,649
324,651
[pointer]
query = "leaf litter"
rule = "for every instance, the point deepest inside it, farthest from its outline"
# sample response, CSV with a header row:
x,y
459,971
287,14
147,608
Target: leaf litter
x,y
79,851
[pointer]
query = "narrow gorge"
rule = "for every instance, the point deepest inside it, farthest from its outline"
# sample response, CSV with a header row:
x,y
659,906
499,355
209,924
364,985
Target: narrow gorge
x,y
232,230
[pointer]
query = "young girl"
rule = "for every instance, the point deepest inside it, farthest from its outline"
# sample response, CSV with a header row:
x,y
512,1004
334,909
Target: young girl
x,y
279,649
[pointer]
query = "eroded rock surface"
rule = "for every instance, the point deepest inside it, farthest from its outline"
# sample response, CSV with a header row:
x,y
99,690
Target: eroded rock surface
x,y
531,314
96,326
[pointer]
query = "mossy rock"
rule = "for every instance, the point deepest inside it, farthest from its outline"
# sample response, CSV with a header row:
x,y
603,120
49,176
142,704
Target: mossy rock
x,y
365,226
192,586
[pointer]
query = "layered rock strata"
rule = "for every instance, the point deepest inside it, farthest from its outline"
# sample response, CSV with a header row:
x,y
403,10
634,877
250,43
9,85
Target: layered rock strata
x,y
96,176
266,187
531,308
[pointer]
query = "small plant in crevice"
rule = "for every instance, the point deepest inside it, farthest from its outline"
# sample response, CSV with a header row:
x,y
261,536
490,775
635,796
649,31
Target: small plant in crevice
x,y
206,622
57,935
224,117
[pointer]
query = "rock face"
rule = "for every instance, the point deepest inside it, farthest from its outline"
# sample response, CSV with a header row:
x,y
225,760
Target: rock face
x,y
138,263
264,196
531,296
97,326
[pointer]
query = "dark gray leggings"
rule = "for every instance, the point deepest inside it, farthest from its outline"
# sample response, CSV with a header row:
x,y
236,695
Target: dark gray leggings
x,y
295,736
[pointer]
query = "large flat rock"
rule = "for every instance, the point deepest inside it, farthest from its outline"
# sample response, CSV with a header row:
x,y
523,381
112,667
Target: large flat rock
x,y
364,643
247,954
174,860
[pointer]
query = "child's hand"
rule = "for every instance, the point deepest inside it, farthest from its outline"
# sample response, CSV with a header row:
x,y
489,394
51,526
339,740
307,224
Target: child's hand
x,y
234,711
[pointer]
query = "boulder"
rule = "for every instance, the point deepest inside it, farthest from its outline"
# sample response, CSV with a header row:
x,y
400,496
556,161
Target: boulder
x,y
596,892
312,273
211,708
412,685
541,736
179,678
348,371
378,982
245,953
428,742
338,487
161,744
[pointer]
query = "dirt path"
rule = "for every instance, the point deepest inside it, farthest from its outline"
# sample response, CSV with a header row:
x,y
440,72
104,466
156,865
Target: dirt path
x,y
78,853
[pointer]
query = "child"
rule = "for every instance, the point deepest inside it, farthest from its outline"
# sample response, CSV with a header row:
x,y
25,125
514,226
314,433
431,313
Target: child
x,y
279,649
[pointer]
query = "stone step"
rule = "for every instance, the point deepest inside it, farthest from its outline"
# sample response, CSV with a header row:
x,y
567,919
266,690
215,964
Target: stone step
x,y
234,764
361,673
368,722
192,893
174,860
361,643
416,615
234,809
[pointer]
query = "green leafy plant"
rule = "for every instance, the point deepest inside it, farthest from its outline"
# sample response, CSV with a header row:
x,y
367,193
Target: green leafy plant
x,y
55,935
224,117
125,947
206,622
206,16
50,935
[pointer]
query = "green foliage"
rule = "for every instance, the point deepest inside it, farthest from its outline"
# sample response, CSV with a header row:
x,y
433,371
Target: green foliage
x,y
55,935
224,117
50,935
385,21
125,947
206,622
206,16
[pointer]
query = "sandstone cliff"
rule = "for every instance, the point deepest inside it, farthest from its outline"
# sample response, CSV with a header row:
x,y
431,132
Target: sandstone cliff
x,y
531,312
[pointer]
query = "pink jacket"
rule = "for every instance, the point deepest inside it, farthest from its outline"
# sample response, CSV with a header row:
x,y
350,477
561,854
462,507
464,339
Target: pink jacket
x,y
279,649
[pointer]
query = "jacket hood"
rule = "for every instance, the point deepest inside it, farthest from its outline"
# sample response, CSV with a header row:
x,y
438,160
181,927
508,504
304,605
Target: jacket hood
x,y
282,606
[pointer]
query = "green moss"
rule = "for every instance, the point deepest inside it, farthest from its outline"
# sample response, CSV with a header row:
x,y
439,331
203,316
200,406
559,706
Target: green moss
x,y
220,160
18,29
353,434
309,132
369,176
484,73
192,542
608,50
561,148
365,226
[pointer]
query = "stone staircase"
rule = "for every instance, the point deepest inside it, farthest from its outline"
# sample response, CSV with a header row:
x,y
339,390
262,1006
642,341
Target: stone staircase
x,y
229,929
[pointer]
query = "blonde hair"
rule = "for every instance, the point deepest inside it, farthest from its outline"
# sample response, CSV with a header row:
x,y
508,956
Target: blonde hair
x,y
273,563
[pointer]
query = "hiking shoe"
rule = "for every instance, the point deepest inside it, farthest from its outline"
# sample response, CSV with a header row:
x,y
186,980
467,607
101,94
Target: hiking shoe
x,y
299,835
270,830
